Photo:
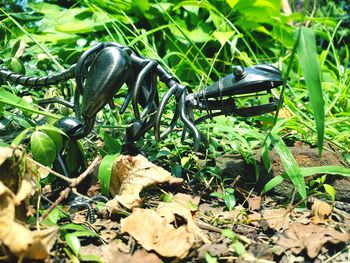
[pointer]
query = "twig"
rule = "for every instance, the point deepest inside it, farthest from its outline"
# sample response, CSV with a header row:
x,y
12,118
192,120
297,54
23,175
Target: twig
x,y
65,178
74,182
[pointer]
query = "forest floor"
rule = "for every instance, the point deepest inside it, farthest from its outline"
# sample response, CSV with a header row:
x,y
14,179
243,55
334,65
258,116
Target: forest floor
x,y
155,217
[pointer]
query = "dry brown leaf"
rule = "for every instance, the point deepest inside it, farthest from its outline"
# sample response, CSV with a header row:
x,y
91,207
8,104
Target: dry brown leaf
x,y
113,254
17,238
254,203
182,205
320,212
131,174
275,218
153,233
310,237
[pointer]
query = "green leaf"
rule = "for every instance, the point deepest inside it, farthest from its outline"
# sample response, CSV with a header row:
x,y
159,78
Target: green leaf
x,y
210,259
20,137
73,242
223,37
289,163
239,248
18,49
310,67
167,198
56,138
90,258
307,171
74,227
17,66
273,182
217,194
232,3
53,217
330,190
43,148
104,172
15,101
229,234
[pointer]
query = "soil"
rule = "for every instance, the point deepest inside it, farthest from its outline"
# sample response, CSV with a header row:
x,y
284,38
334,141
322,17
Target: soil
x,y
306,156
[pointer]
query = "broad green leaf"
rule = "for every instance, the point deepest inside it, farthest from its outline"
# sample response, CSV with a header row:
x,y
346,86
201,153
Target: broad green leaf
x,y
15,101
73,242
77,26
330,190
43,148
309,63
307,171
57,139
12,98
290,164
49,127
104,172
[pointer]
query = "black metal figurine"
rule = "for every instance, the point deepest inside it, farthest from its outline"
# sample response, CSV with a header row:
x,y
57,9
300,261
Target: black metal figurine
x,y
101,71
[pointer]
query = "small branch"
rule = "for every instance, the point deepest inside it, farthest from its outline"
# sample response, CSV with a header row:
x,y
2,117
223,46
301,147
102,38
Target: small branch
x,y
74,182
65,178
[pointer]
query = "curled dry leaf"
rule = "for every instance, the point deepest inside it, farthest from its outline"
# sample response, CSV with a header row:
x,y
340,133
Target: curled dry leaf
x,y
16,174
27,244
320,212
152,232
310,237
131,174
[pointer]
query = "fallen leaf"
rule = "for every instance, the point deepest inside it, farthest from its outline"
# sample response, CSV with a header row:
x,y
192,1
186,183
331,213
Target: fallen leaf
x,y
182,205
27,244
276,219
152,232
112,253
254,203
320,212
310,237
131,174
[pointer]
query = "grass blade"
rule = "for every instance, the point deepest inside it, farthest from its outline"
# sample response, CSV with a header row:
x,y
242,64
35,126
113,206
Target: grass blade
x,y
310,67
289,163
307,171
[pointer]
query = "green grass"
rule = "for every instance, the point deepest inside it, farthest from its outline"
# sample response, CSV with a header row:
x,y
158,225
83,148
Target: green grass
x,y
198,42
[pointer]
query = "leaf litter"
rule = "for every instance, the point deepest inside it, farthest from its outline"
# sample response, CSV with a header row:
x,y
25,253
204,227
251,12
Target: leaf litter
x,y
185,226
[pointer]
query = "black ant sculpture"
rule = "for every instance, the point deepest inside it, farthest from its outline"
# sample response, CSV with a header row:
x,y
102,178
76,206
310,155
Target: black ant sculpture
x,y
101,71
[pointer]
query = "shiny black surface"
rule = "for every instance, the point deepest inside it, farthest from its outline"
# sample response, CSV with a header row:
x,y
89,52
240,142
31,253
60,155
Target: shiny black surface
x,y
106,75
256,78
